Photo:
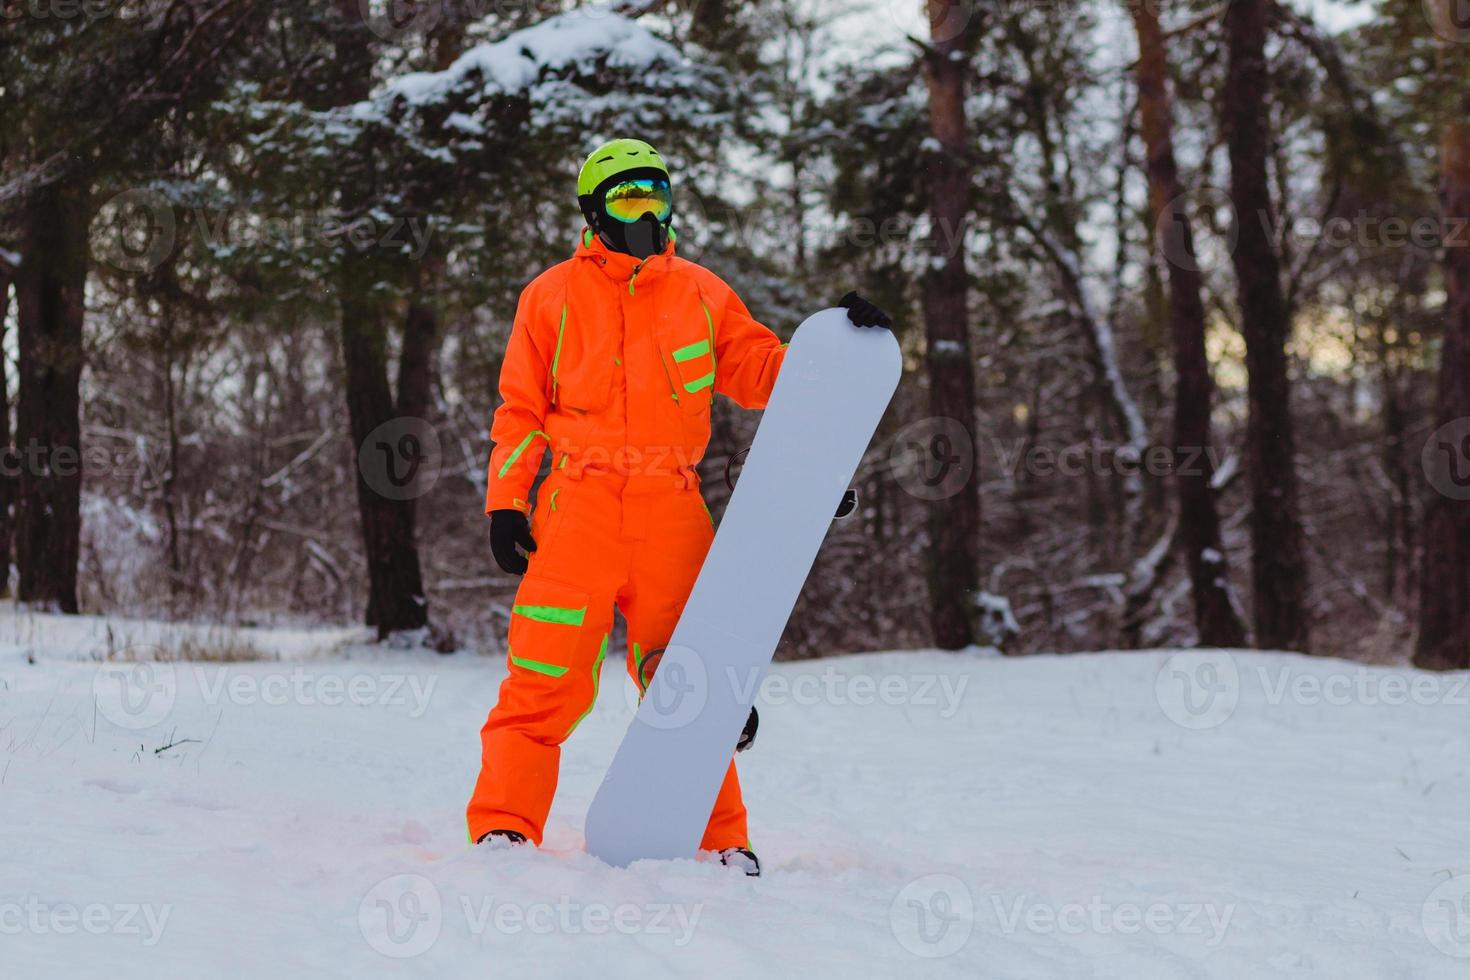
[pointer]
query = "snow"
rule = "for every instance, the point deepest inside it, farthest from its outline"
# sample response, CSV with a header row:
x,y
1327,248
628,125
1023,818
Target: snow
x,y
920,814
26,635
517,61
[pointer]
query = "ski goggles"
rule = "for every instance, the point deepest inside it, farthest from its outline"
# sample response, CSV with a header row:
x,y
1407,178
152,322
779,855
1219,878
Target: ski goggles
x,y
629,200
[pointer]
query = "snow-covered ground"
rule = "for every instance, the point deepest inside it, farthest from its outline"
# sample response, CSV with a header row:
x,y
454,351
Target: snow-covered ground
x,y
1130,815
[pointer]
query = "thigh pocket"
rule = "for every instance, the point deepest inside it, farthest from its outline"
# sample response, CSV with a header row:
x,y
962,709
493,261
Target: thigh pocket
x,y
548,627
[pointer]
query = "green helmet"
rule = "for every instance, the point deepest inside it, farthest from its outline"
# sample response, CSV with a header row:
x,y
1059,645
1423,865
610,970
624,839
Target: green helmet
x,y
625,195
614,157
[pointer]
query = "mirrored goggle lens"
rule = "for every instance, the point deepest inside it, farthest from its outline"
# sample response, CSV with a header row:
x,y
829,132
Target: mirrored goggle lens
x,y
632,199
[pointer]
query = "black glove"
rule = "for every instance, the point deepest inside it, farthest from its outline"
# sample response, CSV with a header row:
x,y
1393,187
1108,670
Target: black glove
x,y
848,504
864,314
747,735
509,528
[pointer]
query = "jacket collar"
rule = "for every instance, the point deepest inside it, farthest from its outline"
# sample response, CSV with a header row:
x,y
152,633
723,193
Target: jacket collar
x,y
619,266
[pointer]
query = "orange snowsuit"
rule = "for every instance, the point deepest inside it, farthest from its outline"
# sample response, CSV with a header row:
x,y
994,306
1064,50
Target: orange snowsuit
x,y
611,365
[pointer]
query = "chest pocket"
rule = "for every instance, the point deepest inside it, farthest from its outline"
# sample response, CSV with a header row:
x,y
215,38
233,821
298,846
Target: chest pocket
x,y
582,362
690,349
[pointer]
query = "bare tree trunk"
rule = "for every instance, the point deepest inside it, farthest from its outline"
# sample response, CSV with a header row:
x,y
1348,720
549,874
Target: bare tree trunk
x,y
1444,582
7,480
396,599
1278,560
1194,468
954,523
50,294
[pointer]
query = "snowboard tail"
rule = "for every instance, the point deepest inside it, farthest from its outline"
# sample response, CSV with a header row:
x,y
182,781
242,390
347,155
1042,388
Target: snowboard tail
x,y
835,383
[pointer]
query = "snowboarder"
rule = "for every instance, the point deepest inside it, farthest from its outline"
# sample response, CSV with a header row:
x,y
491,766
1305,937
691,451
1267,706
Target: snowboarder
x,y
613,360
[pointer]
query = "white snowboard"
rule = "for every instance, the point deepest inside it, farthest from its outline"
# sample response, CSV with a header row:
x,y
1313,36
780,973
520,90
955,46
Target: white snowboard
x,y
833,388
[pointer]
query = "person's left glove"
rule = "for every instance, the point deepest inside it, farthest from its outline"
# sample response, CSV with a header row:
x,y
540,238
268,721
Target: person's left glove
x,y
863,313
509,528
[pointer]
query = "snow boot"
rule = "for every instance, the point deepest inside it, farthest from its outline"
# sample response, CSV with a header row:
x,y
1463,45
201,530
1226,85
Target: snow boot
x,y
502,840
742,858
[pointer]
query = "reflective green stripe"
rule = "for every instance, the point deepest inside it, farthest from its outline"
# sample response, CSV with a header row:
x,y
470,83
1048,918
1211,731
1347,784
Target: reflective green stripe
x,y
700,383
596,679
556,358
692,351
520,449
553,499
550,670
552,614
709,322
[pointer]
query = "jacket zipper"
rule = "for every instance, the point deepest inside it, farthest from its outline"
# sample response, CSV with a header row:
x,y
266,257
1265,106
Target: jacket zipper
x,y
661,358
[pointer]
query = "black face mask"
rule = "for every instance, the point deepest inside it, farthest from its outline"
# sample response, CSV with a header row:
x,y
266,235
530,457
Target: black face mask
x,y
645,237
642,238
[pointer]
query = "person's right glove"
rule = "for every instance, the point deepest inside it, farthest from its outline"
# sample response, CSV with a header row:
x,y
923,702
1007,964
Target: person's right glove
x,y
862,313
747,735
509,528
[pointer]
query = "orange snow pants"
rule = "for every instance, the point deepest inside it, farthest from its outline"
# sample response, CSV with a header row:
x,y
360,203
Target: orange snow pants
x,y
599,544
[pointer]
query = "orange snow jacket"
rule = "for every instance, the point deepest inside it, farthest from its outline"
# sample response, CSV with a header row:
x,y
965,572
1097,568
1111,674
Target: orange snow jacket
x,y
612,364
